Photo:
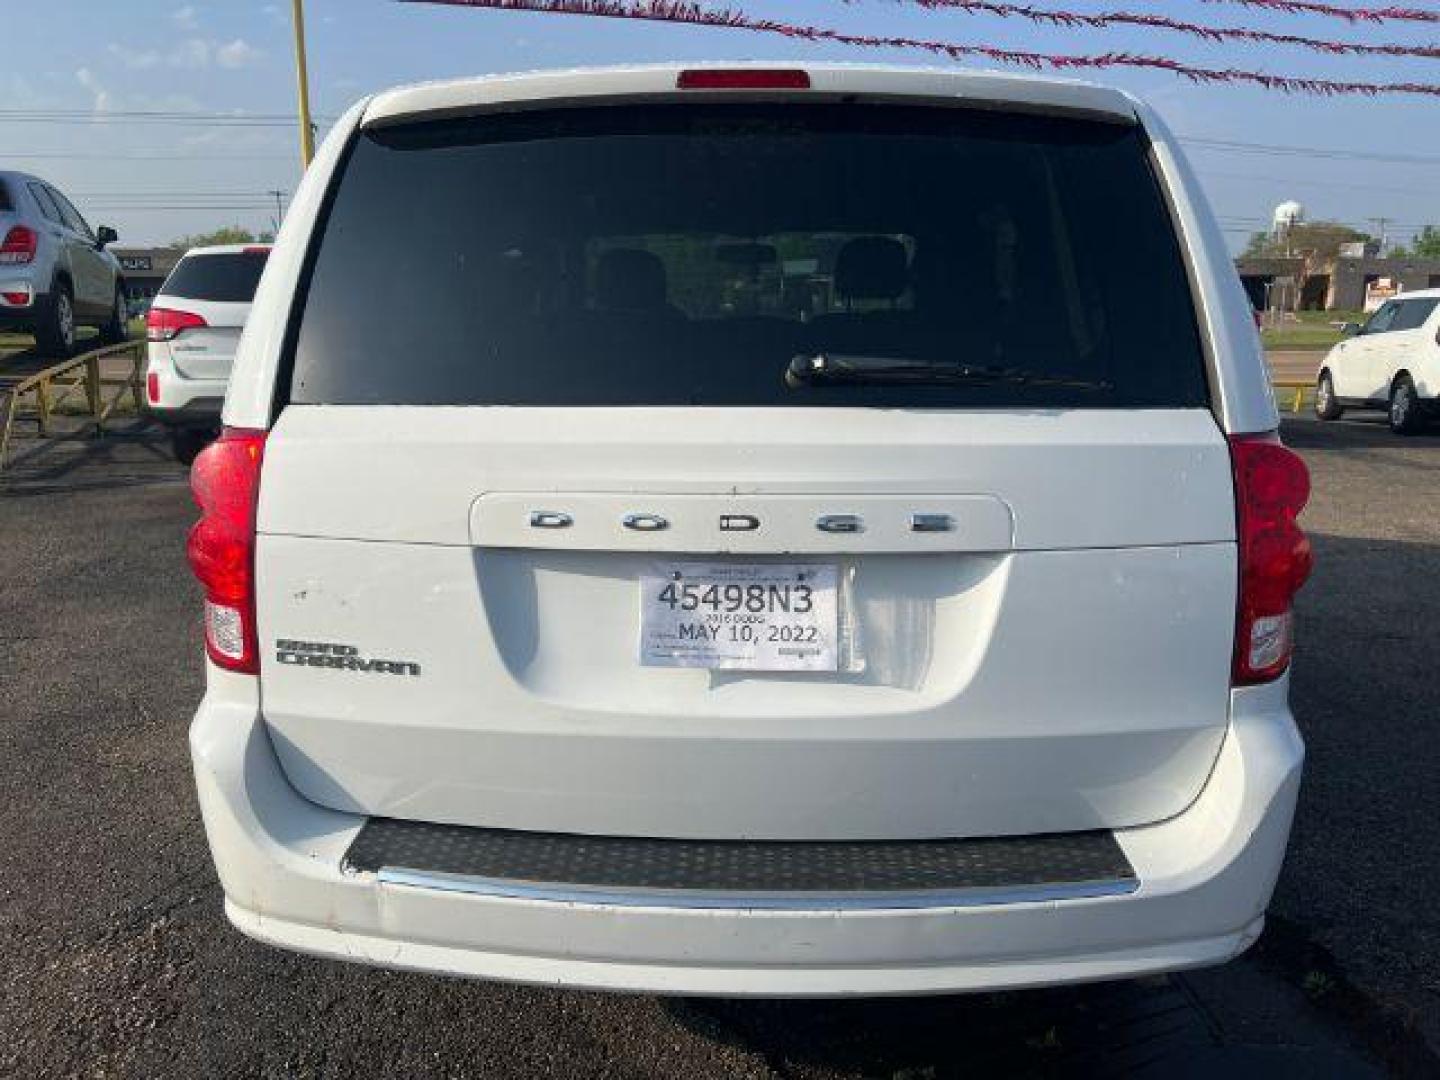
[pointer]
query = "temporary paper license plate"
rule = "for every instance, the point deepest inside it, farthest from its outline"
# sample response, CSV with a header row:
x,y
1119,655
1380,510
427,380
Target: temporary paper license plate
x,y
749,616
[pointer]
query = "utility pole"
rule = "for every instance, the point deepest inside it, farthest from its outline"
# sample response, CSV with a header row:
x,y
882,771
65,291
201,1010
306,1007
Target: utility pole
x,y
1381,222
302,80
279,207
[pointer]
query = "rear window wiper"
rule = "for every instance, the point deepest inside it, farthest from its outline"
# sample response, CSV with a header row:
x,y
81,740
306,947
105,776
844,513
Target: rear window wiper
x,y
818,369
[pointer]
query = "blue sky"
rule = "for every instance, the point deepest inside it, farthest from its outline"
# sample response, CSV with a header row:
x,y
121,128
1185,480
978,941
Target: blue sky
x,y
155,181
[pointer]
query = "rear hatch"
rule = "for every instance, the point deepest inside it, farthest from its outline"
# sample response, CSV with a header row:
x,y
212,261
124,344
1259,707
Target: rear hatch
x,y
736,470
218,287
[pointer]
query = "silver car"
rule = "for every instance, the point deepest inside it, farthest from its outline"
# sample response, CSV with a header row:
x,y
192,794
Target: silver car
x,y
55,274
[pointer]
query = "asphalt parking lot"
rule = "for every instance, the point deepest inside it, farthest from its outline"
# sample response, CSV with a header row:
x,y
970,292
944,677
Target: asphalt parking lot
x,y
117,960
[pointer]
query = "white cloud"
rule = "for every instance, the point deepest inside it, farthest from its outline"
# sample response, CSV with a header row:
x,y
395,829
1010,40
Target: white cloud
x,y
185,18
190,54
103,101
237,54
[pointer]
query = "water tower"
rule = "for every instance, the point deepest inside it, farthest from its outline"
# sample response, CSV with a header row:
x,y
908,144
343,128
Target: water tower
x,y
1286,215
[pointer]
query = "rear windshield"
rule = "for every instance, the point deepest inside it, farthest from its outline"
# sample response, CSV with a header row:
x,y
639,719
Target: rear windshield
x,y
684,255
5,203
229,278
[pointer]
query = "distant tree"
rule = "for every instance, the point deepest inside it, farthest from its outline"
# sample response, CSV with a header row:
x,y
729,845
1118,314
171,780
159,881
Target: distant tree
x,y
1318,240
1426,244
229,234
1315,243
1257,244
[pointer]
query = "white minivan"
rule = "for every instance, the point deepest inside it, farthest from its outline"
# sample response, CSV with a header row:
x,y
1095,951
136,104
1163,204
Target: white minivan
x,y
1392,362
815,530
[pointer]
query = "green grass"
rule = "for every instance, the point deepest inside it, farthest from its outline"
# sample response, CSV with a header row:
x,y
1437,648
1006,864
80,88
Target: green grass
x,y
1311,330
16,342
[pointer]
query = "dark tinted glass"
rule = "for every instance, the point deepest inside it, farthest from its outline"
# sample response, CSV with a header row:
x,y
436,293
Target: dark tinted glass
x,y
71,216
1412,314
683,255
1383,319
46,203
6,203
225,278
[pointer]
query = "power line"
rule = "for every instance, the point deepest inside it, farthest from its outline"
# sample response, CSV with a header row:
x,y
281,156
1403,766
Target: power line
x,y
1273,150
186,193
158,155
1307,182
135,116
231,208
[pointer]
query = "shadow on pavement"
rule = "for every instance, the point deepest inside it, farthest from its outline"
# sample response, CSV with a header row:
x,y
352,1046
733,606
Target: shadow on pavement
x,y
1364,856
1364,430
131,453
1154,1027
1116,1028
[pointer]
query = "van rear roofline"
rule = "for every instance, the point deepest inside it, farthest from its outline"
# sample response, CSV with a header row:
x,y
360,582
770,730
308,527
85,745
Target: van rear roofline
x,y
828,82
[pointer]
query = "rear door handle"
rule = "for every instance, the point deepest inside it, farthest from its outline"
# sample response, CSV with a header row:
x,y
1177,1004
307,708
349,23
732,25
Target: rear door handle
x,y
840,523
931,523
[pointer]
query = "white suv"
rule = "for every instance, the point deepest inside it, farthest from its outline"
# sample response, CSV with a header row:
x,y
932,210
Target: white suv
x,y
1392,363
193,327
750,531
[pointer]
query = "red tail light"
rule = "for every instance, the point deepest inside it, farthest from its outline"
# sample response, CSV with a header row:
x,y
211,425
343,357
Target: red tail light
x,y
743,79
1271,488
163,324
18,246
225,481
152,387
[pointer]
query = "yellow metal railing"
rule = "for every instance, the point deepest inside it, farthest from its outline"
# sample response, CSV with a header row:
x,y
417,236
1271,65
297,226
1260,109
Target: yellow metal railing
x,y
49,387
1297,402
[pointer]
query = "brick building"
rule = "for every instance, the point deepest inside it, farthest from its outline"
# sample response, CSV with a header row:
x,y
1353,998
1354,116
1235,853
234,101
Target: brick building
x,y
145,269
1339,285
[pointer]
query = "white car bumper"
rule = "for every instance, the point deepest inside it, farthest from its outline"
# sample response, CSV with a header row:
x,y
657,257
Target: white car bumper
x,y
177,399
1205,875
173,399
16,295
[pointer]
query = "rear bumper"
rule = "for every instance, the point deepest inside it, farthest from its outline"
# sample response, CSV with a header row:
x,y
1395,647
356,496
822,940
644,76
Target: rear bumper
x,y
196,412
27,311
1205,876
181,401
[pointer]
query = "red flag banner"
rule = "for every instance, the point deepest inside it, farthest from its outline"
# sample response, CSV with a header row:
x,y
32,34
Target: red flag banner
x,y
691,13
1104,20
1349,14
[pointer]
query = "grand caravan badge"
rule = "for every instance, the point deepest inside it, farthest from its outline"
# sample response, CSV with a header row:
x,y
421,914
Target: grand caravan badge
x,y
325,654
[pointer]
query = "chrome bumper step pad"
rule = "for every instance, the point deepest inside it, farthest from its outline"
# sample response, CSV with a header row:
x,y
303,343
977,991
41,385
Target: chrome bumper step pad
x,y
742,874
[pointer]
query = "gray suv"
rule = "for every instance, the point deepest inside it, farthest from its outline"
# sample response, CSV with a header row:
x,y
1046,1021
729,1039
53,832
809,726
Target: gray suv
x,y
55,274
